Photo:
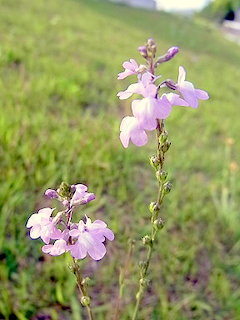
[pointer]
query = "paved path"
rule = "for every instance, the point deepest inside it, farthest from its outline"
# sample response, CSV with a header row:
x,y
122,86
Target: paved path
x,y
231,30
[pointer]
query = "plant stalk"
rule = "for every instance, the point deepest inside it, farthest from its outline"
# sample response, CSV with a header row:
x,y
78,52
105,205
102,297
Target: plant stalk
x,y
155,215
82,289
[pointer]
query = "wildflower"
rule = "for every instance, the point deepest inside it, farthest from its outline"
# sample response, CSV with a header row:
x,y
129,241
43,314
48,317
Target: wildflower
x,y
189,93
149,109
42,225
130,68
131,130
90,237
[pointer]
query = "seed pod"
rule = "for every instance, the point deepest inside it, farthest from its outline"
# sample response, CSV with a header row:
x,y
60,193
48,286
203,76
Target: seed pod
x,y
167,187
85,301
166,146
153,207
154,161
147,241
158,224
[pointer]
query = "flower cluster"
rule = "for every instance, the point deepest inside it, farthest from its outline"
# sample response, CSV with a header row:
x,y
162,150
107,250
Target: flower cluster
x,y
153,106
60,234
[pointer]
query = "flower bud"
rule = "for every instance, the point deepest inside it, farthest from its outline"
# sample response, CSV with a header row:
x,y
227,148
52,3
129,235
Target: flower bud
x,y
153,207
85,301
51,194
143,51
151,48
161,175
151,42
163,137
171,53
154,161
158,224
167,187
65,190
168,56
147,241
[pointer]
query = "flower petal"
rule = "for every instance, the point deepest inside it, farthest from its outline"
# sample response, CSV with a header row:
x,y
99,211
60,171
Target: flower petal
x,y
58,248
46,212
33,220
181,75
124,74
201,94
124,137
134,64
47,248
175,99
35,232
139,138
74,233
188,92
78,250
164,108
109,234
97,251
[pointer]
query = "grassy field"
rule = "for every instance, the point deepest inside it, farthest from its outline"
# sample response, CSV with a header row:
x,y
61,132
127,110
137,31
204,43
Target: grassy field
x,y
60,121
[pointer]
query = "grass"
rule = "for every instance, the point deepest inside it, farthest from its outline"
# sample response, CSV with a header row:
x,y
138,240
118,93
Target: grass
x,y
60,121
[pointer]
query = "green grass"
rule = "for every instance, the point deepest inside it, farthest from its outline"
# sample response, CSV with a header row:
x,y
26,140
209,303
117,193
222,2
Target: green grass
x,y
60,121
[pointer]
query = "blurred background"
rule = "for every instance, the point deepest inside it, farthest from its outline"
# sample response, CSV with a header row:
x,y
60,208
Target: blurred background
x,y
60,119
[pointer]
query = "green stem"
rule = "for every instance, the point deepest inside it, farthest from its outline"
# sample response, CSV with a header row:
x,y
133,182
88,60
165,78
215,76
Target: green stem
x,y
82,288
122,277
154,229
143,276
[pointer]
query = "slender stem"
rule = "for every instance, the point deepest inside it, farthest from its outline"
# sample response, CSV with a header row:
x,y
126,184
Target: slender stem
x,y
141,285
155,215
82,288
122,277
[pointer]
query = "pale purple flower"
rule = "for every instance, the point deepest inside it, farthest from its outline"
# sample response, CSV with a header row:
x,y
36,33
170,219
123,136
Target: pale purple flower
x,y
130,68
90,237
56,249
189,93
149,109
81,196
42,225
131,130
